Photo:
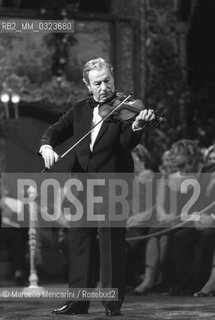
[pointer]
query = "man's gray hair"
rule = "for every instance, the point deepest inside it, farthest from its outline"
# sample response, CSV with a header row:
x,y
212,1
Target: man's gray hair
x,y
98,63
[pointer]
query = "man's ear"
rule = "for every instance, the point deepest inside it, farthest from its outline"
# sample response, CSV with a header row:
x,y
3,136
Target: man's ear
x,y
87,85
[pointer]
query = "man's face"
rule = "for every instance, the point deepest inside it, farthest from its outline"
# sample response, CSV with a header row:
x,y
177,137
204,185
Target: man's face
x,y
138,164
211,157
101,84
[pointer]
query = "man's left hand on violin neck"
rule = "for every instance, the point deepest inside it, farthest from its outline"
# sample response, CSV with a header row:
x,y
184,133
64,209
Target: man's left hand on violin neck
x,y
146,115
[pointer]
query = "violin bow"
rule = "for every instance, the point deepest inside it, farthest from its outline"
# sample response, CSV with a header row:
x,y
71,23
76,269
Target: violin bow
x,y
92,128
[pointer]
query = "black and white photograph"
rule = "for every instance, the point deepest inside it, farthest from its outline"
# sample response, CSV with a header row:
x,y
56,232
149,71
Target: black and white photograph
x,y
107,159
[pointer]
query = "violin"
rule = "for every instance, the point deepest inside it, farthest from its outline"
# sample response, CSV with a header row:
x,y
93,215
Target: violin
x,y
127,111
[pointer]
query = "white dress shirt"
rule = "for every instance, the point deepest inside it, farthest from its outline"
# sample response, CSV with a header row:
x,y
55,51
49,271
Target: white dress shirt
x,y
95,131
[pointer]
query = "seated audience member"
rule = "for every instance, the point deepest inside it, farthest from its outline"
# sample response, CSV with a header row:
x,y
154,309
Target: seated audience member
x,y
208,288
210,155
156,247
165,166
143,175
208,220
193,246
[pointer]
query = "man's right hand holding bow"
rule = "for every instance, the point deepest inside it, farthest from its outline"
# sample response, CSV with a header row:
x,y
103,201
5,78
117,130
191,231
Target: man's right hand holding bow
x,y
49,155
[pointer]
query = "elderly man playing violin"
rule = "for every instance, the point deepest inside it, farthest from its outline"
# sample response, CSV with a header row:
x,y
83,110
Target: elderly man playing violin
x,y
107,150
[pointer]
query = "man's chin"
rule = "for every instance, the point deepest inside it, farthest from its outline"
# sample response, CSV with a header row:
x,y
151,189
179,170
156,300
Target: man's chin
x,y
106,98
103,100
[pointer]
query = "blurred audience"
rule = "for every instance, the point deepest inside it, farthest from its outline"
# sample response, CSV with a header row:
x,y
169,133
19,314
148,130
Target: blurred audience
x,y
182,161
210,155
193,245
156,246
207,222
135,259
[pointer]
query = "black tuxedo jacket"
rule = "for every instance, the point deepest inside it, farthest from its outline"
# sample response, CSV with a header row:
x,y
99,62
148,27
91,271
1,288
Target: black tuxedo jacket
x,y
113,145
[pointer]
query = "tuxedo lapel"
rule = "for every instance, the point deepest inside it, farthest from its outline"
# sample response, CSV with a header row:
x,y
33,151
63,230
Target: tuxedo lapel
x,y
84,121
102,130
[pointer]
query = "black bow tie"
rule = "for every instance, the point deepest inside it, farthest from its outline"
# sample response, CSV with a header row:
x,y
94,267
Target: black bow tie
x,y
93,103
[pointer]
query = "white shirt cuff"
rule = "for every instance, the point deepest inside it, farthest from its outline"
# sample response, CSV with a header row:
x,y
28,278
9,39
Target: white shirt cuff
x,y
45,146
136,129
